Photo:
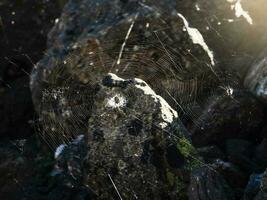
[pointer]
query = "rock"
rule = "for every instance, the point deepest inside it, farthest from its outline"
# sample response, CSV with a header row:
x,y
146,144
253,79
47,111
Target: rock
x,y
133,148
134,138
98,42
239,147
79,32
10,163
88,45
211,153
69,172
27,171
224,33
261,152
227,31
263,133
70,162
145,21
206,183
253,186
233,175
18,169
83,51
68,193
256,78
262,194
241,153
136,146
225,117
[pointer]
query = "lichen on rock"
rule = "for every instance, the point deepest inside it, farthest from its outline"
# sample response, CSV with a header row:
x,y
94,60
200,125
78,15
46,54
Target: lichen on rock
x,y
144,159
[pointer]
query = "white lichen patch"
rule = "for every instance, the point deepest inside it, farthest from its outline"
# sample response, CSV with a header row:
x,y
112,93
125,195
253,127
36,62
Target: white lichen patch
x,y
239,11
115,78
78,139
61,147
116,101
261,90
59,150
197,38
256,79
168,114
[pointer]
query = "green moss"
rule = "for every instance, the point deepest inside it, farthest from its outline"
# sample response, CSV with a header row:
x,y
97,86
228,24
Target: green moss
x,y
190,154
181,188
170,178
91,120
185,147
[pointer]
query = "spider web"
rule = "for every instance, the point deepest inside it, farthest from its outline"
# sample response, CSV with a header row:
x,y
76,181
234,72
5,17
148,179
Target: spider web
x,y
160,52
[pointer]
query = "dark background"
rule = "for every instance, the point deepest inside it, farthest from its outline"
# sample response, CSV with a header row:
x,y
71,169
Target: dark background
x,y
24,25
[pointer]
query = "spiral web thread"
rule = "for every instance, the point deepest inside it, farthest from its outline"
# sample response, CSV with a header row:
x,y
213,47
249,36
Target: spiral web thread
x,y
163,55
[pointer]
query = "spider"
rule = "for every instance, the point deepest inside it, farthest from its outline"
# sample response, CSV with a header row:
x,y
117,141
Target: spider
x,y
229,91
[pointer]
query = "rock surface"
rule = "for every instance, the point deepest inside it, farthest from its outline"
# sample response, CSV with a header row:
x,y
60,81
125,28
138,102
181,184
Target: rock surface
x,y
206,183
253,186
256,78
165,66
239,115
263,190
119,40
134,141
135,145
